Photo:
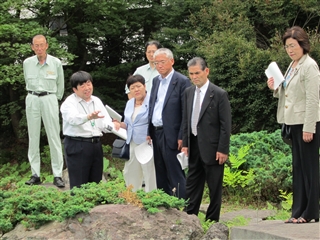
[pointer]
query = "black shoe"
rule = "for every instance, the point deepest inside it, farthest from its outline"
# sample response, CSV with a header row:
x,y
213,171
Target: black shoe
x,y
58,182
34,180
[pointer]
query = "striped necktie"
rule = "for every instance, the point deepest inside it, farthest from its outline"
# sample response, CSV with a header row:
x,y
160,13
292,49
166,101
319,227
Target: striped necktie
x,y
195,113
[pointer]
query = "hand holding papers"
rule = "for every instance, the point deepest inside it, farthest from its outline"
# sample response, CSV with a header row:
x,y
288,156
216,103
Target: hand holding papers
x,y
116,116
113,114
274,71
121,132
183,160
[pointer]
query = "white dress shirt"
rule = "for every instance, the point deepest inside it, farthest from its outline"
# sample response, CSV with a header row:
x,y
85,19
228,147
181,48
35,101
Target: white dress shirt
x,y
203,91
161,96
75,112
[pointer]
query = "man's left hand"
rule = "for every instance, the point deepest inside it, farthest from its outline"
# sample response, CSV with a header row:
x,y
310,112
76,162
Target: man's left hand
x,y
221,157
179,144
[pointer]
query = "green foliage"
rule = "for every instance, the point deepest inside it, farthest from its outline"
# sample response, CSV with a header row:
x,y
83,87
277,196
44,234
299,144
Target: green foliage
x,y
233,66
206,224
155,199
280,213
237,221
286,204
259,166
46,162
36,205
271,160
235,177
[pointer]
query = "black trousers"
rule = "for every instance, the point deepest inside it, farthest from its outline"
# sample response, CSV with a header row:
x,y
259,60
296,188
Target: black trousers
x,y
169,174
198,174
84,161
305,160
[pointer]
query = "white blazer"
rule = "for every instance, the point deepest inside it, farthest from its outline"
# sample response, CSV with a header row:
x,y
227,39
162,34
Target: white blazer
x,y
299,101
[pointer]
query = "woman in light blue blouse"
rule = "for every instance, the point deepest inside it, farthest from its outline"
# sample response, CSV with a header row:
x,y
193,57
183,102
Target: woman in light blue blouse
x,y
136,123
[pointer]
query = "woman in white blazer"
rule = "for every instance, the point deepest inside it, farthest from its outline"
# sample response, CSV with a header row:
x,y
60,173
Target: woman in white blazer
x,y
298,106
136,123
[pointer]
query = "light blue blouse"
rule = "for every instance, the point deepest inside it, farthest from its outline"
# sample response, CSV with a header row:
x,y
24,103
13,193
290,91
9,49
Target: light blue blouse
x,y
137,129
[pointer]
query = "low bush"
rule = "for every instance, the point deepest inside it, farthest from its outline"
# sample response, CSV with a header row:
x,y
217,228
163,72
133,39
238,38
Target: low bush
x,y
270,159
36,205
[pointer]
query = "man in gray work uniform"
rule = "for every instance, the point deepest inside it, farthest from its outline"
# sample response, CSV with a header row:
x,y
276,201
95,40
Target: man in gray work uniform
x,y
44,78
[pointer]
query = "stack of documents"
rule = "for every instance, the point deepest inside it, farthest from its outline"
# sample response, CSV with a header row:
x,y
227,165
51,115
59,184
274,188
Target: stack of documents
x,y
274,71
122,133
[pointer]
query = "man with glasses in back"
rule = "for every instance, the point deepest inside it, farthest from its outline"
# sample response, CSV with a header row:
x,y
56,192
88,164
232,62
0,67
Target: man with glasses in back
x,y
44,78
147,71
165,123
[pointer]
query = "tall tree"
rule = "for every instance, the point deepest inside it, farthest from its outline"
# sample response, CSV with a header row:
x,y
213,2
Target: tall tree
x,y
239,39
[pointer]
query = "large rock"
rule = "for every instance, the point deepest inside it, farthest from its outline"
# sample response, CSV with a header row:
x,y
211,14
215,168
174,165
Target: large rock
x,y
117,222
217,231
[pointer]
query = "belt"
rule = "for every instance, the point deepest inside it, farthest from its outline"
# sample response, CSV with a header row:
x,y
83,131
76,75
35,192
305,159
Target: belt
x,y
158,127
82,139
39,94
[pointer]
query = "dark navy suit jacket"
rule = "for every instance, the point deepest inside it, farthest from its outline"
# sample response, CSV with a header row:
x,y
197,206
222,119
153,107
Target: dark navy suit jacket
x,y
214,124
172,108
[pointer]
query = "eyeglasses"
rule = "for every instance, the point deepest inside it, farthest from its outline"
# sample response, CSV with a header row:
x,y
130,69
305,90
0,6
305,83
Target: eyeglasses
x,y
42,45
134,87
290,46
161,62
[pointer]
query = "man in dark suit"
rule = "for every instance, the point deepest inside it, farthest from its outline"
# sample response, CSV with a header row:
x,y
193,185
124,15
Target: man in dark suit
x,y
165,123
206,138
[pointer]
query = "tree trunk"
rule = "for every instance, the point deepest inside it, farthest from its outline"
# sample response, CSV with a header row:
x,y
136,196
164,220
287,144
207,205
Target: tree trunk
x,y
16,115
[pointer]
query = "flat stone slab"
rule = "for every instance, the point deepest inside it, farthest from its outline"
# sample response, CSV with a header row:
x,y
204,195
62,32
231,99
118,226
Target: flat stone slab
x,y
255,215
275,229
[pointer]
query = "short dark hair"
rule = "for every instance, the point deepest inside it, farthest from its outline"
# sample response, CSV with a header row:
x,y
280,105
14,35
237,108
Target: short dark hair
x,y
153,42
79,78
135,78
197,61
298,34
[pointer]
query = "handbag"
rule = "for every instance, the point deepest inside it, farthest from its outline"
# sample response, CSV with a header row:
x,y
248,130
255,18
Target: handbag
x,y
286,133
120,149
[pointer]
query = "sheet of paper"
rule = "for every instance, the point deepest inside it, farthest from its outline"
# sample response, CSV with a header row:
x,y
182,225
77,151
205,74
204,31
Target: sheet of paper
x,y
274,71
144,152
113,114
183,160
121,133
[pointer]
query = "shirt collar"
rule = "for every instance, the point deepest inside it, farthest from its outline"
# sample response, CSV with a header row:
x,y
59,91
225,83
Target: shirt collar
x,y
79,99
204,88
47,61
168,77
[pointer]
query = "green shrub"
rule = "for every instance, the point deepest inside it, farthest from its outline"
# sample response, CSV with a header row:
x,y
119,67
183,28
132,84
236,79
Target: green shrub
x,y
36,205
236,179
270,158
